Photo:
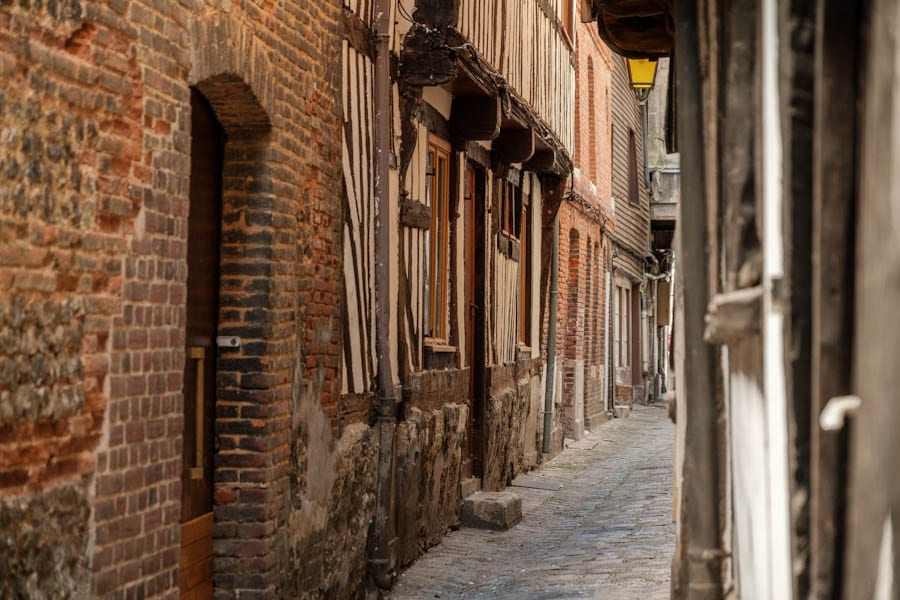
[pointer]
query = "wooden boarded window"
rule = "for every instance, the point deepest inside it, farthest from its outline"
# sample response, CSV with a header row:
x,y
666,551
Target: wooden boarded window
x,y
439,247
633,190
525,272
510,204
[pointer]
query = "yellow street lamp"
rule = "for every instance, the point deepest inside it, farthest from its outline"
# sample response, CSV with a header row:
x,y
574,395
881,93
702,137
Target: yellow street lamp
x,y
642,75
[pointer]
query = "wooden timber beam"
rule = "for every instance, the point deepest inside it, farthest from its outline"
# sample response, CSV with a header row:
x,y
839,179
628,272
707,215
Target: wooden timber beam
x,y
541,162
634,28
515,145
476,117
358,34
548,162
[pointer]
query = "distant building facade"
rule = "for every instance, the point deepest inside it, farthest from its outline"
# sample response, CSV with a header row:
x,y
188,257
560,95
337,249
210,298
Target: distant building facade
x,y
632,293
584,244
481,143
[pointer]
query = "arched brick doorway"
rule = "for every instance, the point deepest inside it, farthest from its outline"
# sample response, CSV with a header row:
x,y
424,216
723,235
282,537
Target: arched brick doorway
x,y
229,259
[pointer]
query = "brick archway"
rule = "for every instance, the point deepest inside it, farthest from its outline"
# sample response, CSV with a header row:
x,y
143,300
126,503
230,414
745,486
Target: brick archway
x,y
234,77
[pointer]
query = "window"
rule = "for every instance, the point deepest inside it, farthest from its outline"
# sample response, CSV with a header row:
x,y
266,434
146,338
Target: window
x,y
633,190
510,204
525,272
438,198
622,325
567,18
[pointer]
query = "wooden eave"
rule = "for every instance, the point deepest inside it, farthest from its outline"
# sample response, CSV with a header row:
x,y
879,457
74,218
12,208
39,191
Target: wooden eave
x,y
474,76
636,28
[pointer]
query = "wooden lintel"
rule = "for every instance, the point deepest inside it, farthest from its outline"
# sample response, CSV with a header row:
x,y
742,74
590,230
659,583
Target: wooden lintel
x,y
479,155
476,117
434,121
515,145
414,214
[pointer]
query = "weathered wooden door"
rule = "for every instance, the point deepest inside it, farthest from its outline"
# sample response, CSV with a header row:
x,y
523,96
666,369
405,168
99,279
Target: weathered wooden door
x,y
474,260
873,511
200,352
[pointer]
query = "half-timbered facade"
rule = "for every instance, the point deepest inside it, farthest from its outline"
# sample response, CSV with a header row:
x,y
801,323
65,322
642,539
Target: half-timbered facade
x,y
480,141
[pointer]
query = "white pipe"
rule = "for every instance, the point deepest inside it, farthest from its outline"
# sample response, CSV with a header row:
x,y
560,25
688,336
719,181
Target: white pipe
x,y
779,552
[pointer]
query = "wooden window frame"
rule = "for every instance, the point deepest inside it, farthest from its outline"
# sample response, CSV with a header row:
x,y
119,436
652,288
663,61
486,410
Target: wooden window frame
x,y
567,20
621,325
510,201
617,324
439,239
525,273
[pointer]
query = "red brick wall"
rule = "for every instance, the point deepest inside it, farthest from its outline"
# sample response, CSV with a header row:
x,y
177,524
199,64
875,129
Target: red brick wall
x,y
582,292
94,109
591,49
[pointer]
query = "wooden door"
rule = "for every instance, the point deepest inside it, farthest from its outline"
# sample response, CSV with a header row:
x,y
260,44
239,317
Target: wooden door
x,y
475,293
873,510
204,220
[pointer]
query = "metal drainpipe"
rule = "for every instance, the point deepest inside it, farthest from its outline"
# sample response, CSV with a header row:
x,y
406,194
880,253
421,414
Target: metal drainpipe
x,y
551,337
610,368
699,574
385,391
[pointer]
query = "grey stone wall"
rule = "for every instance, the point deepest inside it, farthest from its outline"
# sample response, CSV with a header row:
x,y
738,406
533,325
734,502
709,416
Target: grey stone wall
x,y
44,544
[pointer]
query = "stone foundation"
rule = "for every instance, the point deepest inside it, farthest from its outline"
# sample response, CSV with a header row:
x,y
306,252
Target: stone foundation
x,y
513,426
429,451
324,538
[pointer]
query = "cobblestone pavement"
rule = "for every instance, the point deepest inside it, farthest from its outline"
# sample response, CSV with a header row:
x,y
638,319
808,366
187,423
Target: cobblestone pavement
x,y
606,533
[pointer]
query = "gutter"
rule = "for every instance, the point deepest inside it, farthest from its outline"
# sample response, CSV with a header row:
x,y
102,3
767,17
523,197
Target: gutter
x,y
386,393
551,338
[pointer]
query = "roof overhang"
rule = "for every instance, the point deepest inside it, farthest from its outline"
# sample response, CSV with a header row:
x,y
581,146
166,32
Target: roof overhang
x,y
636,28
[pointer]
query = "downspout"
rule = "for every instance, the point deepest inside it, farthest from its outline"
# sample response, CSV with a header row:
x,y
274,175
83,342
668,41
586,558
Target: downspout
x,y
551,337
385,391
699,574
610,369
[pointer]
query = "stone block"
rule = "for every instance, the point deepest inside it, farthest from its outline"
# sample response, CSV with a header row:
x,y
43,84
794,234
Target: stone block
x,y
622,410
492,510
469,486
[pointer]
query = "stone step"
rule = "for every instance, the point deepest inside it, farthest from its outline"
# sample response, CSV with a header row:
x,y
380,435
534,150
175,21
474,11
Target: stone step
x,y
469,486
622,410
492,510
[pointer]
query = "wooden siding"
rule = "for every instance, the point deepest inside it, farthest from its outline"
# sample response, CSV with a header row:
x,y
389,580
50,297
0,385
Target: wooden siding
x,y
632,222
359,222
541,72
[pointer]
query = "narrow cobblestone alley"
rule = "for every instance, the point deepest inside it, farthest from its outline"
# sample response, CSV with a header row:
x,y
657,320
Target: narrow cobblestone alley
x,y
597,523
